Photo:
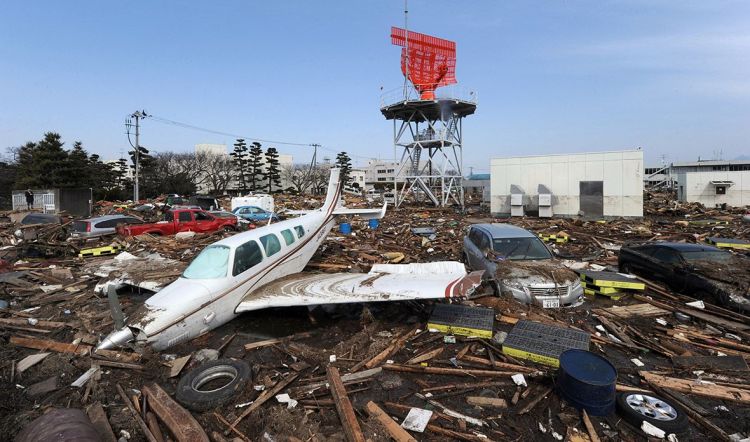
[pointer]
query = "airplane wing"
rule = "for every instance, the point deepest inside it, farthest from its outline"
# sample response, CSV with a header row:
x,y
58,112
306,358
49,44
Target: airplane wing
x,y
385,282
343,211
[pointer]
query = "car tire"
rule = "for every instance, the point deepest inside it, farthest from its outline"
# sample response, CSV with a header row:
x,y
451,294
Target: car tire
x,y
626,268
636,407
190,394
228,229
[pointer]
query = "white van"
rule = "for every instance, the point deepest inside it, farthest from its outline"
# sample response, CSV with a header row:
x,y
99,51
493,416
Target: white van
x,y
262,200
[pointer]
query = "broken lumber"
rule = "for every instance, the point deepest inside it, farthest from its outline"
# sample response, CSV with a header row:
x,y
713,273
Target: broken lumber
x,y
447,371
153,425
692,387
497,364
78,349
487,401
590,427
394,430
535,401
344,408
180,422
99,420
265,396
425,356
137,416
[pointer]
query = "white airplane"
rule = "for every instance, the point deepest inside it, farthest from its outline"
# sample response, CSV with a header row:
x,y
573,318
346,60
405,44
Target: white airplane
x,y
261,268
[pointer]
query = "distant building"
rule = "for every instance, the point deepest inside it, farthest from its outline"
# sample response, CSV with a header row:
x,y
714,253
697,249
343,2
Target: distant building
x,y
478,185
657,177
210,148
358,176
713,183
381,174
600,184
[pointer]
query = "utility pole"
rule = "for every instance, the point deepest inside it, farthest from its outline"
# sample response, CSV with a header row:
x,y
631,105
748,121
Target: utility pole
x,y
136,157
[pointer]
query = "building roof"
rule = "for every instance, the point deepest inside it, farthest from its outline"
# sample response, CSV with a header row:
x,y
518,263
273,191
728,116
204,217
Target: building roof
x,y
478,176
711,163
498,230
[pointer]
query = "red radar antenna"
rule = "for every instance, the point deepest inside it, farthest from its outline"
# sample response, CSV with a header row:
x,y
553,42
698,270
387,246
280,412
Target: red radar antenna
x,y
427,62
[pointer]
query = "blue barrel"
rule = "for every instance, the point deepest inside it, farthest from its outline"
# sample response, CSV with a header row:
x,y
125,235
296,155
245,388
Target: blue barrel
x,y
587,381
345,228
374,223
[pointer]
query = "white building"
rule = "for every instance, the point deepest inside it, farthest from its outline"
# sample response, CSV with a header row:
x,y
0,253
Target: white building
x,y
713,183
211,148
358,176
129,172
600,184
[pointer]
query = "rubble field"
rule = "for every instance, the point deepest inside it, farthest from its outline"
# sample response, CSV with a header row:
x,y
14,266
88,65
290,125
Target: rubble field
x,y
354,372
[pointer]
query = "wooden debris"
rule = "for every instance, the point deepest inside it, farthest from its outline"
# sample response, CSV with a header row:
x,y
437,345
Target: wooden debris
x,y
137,416
178,364
590,427
29,361
180,422
349,421
99,420
425,356
487,401
265,396
535,401
394,429
153,425
447,371
694,387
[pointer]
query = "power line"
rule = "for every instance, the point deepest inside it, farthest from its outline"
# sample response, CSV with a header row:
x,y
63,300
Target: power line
x,y
246,137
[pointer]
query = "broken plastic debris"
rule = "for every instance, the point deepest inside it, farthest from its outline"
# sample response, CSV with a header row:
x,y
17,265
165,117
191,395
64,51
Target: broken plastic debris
x,y
652,430
243,405
332,358
449,339
697,304
285,399
417,420
661,321
519,380
259,387
33,321
557,435
672,438
637,362
542,428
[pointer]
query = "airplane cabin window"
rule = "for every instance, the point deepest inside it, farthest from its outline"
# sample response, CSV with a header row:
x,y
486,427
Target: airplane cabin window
x,y
246,256
288,236
271,244
300,231
211,263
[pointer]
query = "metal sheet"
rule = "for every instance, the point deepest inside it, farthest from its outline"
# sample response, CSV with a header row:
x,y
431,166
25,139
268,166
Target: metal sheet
x,y
592,198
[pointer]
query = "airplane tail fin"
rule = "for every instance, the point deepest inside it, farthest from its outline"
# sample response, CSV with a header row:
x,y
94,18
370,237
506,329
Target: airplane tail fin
x,y
333,195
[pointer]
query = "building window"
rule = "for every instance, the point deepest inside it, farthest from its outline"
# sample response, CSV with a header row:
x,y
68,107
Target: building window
x,y
390,170
721,190
381,170
382,179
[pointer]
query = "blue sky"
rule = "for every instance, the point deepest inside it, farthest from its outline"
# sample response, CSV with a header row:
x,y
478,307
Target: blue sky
x,y
672,77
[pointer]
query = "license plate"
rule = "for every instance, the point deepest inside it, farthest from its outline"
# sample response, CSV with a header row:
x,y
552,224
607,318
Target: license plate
x,y
550,303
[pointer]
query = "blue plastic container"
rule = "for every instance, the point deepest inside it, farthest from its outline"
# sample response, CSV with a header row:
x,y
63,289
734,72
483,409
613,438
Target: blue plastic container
x,y
373,223
345,228
587,381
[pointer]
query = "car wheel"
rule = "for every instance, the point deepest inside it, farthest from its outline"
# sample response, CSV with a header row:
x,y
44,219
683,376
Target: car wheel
x,y
626,268
636,407
228,228
212,383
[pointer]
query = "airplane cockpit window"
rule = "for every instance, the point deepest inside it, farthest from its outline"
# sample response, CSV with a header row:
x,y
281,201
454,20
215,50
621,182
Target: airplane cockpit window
x,y
271,244
246,256
288,236
300,231
211,263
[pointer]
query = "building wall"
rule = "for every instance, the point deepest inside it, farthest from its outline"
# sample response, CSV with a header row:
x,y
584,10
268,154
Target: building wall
x,y
621,173
695,186
211,148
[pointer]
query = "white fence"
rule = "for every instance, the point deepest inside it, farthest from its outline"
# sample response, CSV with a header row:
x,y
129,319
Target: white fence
x,y
42,201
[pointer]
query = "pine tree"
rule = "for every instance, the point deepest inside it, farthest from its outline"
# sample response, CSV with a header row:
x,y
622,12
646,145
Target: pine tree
x,y
344,163
78,170
240,158
42,165
273,171
256,166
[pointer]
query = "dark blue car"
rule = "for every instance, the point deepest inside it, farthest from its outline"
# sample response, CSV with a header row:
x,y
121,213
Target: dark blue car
x,y
255,214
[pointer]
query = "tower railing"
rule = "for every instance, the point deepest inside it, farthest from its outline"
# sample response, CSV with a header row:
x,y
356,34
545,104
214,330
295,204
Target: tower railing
x,y
451,92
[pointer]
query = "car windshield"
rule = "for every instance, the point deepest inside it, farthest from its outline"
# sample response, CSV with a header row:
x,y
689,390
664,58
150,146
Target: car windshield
x,y
706,255
520,248
210,264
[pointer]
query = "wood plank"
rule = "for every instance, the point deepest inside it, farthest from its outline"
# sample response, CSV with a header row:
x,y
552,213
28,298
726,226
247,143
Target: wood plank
x,y
487,401
727,363
644,310
138,419
394,430
180,422
352,430
425,356
99,420
691,387
448,371
590,427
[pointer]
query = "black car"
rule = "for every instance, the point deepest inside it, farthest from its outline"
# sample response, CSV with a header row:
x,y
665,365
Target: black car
x,y
702,271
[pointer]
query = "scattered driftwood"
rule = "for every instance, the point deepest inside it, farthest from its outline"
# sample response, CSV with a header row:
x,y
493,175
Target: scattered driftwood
x,y
349,421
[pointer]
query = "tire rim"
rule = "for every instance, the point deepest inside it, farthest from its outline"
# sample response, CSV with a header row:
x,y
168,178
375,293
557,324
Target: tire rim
x,y
651,407
220,372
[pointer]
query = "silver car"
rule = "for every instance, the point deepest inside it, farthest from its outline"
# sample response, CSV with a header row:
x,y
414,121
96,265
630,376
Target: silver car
x,y
519,264
101,226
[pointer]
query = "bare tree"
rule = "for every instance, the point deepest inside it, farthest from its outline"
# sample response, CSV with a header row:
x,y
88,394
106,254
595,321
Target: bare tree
x,y
219,172
319,178
297,175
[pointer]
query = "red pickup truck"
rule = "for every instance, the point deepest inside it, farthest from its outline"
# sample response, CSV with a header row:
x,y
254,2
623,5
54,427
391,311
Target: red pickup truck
x,y
180,220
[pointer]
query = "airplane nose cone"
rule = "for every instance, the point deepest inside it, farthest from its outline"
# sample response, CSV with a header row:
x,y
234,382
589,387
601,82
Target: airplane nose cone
x,y
116,339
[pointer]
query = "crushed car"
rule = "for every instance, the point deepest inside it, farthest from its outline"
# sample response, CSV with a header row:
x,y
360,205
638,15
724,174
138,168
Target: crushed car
x,y
702,271
517,263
